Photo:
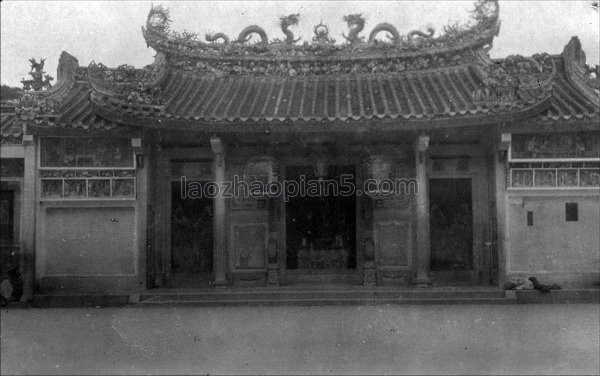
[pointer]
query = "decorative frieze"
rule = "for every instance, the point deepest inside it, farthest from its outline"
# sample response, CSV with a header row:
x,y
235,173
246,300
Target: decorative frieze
x,y
86,168
271,67
87,188
556,146
554,177
515,79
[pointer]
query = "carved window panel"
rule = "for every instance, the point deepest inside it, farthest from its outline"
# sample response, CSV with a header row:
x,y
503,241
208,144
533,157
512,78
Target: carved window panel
x,y
99,188
556,175
87,184
521,178
544,178
123,188
75,188
567,178
52,189
77,168
589,177
556,146
86,152
394,243
249,245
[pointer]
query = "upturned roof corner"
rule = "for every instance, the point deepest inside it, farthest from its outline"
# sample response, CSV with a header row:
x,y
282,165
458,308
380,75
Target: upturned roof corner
x,y
584,77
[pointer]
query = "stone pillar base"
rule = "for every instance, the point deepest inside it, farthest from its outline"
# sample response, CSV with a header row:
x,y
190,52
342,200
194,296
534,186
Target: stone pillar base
x,y
423,282
369,278
273,276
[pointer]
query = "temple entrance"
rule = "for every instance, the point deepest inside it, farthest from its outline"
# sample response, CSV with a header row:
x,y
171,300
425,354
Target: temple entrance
x,y
191,238
451,229
321,229
9,249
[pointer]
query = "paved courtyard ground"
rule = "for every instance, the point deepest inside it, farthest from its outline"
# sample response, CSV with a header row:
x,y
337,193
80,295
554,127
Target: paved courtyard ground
x,y
387,339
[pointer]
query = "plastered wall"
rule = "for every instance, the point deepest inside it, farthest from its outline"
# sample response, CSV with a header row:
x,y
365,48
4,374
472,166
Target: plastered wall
x,y
549,246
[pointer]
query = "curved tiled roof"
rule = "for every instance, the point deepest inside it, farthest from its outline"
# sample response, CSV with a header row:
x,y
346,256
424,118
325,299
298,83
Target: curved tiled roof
x,y
416,95
395,93
65,105
76,111
447,78
11,131
568,103
476,89
575,95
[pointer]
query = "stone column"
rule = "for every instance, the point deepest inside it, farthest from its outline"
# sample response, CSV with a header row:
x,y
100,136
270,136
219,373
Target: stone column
x,y
423,251
28,256
370,267
501,172
219,229
272,244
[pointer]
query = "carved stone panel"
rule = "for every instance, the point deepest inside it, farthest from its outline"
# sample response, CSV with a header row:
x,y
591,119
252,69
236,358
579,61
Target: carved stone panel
x,y
394,243
249,245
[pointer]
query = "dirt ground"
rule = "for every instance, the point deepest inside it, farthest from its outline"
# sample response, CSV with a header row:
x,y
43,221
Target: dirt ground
x,y
386,339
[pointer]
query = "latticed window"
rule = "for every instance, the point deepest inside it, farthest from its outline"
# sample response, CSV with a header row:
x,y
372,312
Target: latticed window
x,y
87,168
556,160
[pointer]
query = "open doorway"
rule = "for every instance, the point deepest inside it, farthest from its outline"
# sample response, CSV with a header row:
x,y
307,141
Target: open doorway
x,y
321,229
9,247
451,229
191,239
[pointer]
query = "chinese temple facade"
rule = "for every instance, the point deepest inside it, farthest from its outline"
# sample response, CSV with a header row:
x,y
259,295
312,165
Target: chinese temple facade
x,y
430,163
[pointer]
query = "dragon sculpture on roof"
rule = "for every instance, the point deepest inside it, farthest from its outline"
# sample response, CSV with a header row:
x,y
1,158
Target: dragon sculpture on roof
x,y
356,23
285,22
39,80
245,54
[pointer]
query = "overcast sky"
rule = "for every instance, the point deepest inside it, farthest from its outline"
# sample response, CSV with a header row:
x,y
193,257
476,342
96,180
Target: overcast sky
x,y
110,32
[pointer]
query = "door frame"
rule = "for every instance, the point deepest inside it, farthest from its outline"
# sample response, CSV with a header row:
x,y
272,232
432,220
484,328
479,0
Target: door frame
x,y
480,206
288,277
14,217
162,270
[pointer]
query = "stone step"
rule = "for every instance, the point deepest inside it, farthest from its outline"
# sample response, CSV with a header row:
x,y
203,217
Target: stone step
x,y
321,302
318,297
300,296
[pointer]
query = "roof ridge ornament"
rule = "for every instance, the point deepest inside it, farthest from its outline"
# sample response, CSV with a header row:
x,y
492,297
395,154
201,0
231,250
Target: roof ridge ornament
x,y
514,79
126,83
322,34
245,35
384,26
285,22
482,28
39,80
213,38
356,23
